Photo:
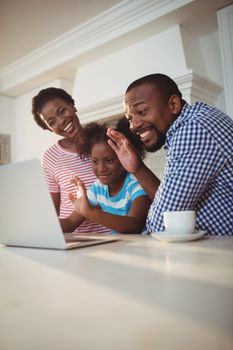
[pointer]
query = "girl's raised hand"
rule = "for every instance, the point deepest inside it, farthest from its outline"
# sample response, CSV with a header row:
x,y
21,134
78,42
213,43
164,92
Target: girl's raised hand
x,y
80,201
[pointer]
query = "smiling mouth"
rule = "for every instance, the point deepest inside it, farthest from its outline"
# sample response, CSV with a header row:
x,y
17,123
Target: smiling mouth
x,y
68,127
103,178
143,135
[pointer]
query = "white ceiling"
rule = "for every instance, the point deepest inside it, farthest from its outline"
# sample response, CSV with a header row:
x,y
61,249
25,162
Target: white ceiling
x,y
28,24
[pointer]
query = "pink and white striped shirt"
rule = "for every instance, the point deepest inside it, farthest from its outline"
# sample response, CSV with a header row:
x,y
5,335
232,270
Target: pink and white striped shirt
x,y
59,165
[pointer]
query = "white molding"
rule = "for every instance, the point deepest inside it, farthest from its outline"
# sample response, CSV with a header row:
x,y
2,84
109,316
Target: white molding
x,y
225,24
126,16
103,111
193,87
196,88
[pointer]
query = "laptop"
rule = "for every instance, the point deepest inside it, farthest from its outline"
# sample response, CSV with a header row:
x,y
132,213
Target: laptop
x,y
27,214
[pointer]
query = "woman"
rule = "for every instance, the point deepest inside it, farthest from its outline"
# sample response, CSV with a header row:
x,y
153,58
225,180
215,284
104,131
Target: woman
x,y
54,109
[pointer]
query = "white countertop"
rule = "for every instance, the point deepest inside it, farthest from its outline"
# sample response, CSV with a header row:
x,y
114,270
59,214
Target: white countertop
x,y
137,293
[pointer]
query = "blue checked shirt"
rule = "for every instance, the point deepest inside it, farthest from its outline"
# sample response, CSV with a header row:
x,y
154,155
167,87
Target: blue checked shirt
x,y
199,170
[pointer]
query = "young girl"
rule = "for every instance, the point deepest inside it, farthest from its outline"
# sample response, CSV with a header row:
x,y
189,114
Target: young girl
x,y
116,199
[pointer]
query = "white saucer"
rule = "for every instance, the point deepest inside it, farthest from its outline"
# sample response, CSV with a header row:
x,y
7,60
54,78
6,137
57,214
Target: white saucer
x,y
166,237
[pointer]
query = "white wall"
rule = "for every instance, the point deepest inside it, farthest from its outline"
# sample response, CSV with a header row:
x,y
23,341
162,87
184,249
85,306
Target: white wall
x,y
175,52
210,48
108,77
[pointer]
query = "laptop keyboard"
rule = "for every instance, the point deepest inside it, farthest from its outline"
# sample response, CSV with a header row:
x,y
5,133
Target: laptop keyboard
x,y
78,239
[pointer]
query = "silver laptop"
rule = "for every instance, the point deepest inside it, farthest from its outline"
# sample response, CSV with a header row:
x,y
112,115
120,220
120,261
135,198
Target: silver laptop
x,y
27,215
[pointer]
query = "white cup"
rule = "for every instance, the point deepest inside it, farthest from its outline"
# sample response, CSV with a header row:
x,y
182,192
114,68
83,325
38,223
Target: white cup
x,y
180,222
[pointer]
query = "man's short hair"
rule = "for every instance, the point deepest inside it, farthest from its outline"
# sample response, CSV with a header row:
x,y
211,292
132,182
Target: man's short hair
x,y
166,86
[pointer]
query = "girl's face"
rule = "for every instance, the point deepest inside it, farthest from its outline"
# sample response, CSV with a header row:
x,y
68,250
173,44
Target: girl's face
x,y
106,165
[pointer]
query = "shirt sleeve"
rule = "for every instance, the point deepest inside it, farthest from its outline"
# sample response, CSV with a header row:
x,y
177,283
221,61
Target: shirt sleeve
x,y
193,159
48,168
91,194
137,191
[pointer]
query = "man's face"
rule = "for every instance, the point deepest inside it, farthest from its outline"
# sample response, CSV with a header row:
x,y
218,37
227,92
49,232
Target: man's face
x,y
149,115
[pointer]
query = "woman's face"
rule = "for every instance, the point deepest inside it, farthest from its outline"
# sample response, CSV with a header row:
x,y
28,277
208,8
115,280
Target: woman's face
x,y
106,164
61,118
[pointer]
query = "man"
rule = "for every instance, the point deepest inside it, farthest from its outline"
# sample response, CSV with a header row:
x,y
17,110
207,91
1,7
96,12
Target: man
x,y
199,148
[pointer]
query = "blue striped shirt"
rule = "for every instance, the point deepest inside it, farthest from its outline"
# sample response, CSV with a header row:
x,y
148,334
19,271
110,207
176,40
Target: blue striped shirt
x,y
121,203
199,170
